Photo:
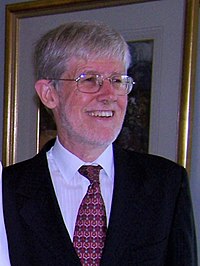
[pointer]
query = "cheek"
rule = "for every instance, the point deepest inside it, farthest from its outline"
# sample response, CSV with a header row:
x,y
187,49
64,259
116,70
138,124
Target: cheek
x,y
73,104
122,103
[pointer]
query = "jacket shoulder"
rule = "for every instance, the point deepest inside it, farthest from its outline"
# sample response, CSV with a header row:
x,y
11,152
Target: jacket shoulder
x,y
35,168
31,164
148,165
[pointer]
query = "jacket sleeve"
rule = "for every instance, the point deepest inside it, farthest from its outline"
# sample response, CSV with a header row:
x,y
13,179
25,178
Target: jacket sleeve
x,y
182,249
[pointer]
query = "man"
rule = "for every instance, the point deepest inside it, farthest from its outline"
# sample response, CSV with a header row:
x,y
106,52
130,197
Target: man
x,y
146,211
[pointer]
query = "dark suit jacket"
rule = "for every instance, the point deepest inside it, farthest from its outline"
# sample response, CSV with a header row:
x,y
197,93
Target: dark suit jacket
x,y
151,222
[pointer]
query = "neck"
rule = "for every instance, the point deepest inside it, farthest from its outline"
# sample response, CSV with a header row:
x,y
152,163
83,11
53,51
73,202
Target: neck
x,y
85,152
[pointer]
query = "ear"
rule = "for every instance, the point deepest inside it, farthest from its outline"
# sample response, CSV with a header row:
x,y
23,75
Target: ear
x,y
46,93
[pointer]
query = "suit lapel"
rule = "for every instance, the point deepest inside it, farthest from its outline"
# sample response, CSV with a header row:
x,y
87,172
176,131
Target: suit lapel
x,y
129,198
41,212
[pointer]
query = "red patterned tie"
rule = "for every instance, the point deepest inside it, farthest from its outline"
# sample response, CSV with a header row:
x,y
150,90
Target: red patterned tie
x,y
90,228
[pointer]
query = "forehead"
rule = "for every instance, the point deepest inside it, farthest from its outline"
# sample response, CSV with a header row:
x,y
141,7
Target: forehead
x,y
99,65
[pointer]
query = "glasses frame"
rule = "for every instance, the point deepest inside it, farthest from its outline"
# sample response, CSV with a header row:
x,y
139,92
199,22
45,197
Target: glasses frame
x,y
99,81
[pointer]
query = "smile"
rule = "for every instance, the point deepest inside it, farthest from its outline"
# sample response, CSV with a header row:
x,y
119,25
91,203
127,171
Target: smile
x,y
101,113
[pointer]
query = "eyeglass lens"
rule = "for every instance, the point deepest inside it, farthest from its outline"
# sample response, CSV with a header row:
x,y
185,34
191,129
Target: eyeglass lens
x,y
91,83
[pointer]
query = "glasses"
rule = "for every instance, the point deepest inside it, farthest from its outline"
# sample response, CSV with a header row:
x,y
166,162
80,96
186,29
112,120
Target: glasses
x,y
91,83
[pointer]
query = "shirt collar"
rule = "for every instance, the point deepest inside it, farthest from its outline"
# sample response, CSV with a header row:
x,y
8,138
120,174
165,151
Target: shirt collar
x,y
68,163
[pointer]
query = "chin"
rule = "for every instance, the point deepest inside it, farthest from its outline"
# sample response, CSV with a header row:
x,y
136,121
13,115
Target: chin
x,y
103,140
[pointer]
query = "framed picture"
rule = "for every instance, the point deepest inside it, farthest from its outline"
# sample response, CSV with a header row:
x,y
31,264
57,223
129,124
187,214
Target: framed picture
x,y
173,33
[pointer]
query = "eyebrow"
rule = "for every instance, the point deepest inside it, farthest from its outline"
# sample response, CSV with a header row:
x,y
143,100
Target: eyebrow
x,y
102,74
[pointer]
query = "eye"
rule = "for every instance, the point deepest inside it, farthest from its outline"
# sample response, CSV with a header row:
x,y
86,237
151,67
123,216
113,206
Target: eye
x,y
88,82
117,80
89,79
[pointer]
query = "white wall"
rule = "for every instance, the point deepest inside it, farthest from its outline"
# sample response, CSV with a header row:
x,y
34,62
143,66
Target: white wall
x,y
195,168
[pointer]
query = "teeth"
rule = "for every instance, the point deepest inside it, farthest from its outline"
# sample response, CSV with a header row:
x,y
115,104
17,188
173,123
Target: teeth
x,y
101,113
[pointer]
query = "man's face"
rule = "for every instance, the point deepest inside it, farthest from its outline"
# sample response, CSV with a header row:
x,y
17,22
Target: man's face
x,y
90,119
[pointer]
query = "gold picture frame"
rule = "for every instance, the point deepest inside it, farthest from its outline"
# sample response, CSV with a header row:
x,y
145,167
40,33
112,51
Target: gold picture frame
x,y
13,105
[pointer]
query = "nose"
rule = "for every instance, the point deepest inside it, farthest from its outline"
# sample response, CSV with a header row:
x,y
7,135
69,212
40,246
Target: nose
x,y
107,93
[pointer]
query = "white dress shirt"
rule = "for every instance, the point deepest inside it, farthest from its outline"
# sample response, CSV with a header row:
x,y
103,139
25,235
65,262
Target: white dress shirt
x,y
70,188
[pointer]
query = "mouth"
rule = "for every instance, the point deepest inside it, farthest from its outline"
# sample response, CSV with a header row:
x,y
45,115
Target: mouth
x,y
101,113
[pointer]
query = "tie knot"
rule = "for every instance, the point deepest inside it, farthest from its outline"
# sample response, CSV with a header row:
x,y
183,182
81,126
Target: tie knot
x,y
91,172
